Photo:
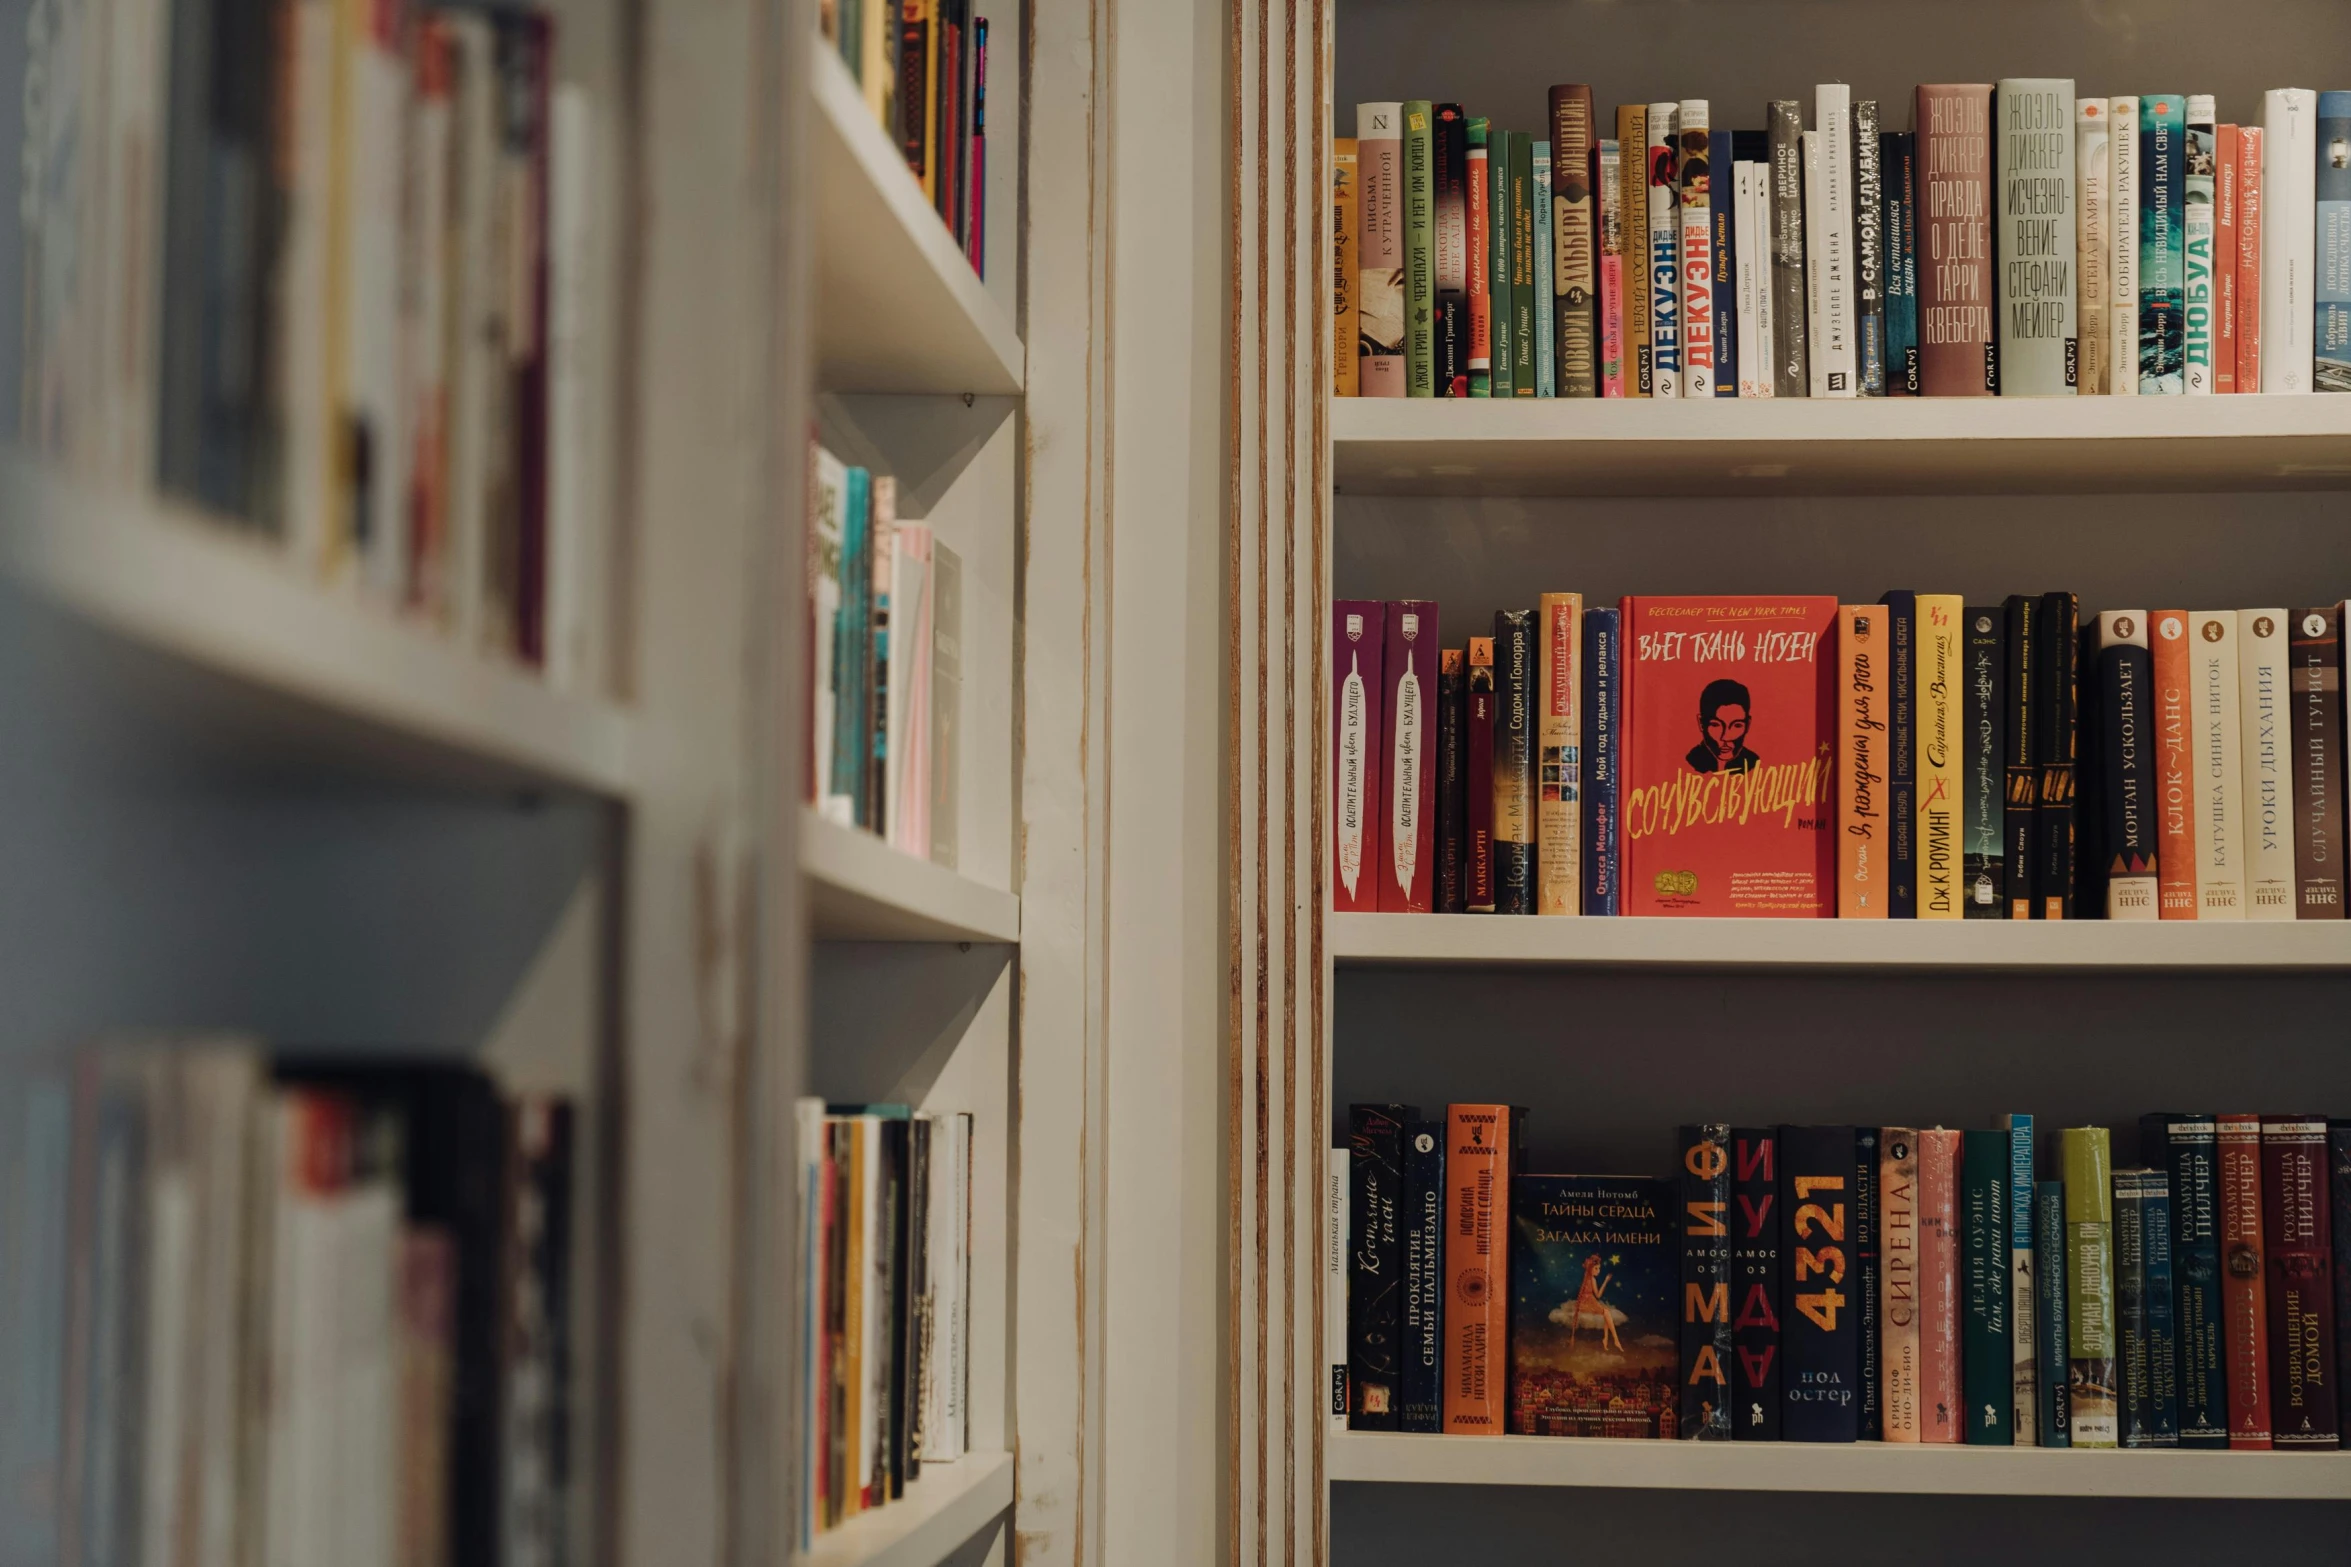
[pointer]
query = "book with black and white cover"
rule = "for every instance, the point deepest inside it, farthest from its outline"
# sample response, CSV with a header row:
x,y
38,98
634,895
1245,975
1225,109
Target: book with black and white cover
x,y
2289,214
1664,271
1790,373
1693,179
1869,250
2093,243
2199,217
1829,243
2217,764
2122,273
2034,279
2265,732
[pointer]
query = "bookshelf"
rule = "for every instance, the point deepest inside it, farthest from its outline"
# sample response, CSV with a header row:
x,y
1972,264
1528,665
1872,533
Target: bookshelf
x,y
862,889
937,1517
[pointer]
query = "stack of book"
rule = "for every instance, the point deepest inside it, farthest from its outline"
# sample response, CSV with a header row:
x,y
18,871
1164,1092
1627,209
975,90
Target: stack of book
x,y
923,68
1916,758
323,1315
2018,241
885,1306
1844,1284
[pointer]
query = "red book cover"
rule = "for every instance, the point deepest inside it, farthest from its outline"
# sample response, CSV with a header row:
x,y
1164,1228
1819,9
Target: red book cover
x,y
1358,638
1481,1155
2224,261
1955,240
1408,759
1479,743
1730,740
2243,1291
2175,787
2296,1256
1938,1286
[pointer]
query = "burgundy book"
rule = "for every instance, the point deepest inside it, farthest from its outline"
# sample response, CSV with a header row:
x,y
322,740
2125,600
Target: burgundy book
x,y
1358,648
2314,682
1955,354
1408,758
1480,747
2243,1290
2295,1240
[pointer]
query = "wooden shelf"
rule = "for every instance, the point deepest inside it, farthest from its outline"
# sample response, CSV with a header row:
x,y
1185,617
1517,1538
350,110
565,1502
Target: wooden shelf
x,y
939,1512
1900,1468
1879,446
214,630
862,889
898,307
1468,940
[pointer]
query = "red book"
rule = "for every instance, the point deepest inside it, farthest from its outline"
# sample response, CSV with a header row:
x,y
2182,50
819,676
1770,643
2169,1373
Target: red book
x,y
2248,258
1358,638
1481,1155
2175,765
1955,240
2299,1263
1938,1286
2224,260
2243,1295
1729,741
1408,759
1479,743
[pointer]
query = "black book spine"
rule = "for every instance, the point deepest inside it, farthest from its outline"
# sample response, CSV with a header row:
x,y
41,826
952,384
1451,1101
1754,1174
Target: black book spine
x,y
1421,1374
897,1155
2126,764
1375,1264
914,1349
1755,1282
1706,1284
1865,1281
1722,222
1790,366
1984,773
2089,823
1452,783
2056,650
2020,781
1902,763
1820,1323
1869,249
1514,761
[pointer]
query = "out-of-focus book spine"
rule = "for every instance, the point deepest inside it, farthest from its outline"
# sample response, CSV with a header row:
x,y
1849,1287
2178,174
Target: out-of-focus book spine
x,y
1346,252
1379,294
1477,258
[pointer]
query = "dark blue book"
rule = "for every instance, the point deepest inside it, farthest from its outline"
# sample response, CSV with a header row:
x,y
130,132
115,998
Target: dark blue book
x,y
2050,1299
2142,1289
1704,1220
1902,762
1865,1280
1375,1265
1602,760
2183,1146
1897,174
1755,1283
1722,216
1820,1323
1421,1370
1594,1283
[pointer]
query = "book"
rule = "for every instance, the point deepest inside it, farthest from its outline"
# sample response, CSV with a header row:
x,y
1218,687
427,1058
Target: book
x,y
1515,675
2129,844
1632,200
2244,1289
1693,176
2295,1236
2265,735
2054,739
2199,234
1955,334
1603,758
1452,780
1358,838
1862,745
1756,265
2330,259
2250,210
1723,259
2287,307
1868,1277
2039,332
2023,1285
1869,252
1478,775
1819,1330
1730,737
2315,720
1755,1284
2143,1309
2175,734
1616,365
1703,1218
1418,166
1665,250
1559,872
1829,245
2222,262
2339,1250
1791,373
946,738
2021,779
1478,254
907,795
2089,1243
2184,1148
1408,758
1522,265
1545,333
1421,1357
1940,686
1575,279
1940,1250
2217,766
1902,757
1450,152
1898,222
1898,1304
2052,1315
1501,294
1481,1166
1988,1328
2093,245
1338,1199
2163,173
1593,1283
2123,160
1983,781
1815,277
1379,294
1749,223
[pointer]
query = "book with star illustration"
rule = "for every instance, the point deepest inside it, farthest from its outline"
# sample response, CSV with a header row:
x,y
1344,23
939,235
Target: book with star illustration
x,y
1595,1273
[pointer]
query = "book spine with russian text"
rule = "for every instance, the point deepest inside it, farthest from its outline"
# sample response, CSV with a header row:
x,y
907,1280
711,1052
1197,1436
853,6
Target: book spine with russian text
x,y
1451,136
2174,734
1863,747
1338,1199
2217,763
1358,848
1452,780
2023,1287
1955,332
2244,1290
2142,1288
1988,1332
2184,1147
2199,232
1723,258
2089,1247
1693,175
2330,258
2226,160
1983,789
1346,252
1501,296
1522,265
1901,610
1940,686
2033,148
1477,254
1514,761
2021,779
1559,788
1704,1223
1819,1329
2052,1318
1420,247
1829,246
1868,1277
1755,1285
1375,1264
2093,244
1791,373
2250,207
2127,844
1478,777
1481,1156
1898,174
1602,758
1545,335
2296,1238
2265,739
2289,217
1408,758
1632,199
1618,376
1575,272
2163,133
1869,251
1379,294
1747,245
2339,1234
2314,717
2055,650
2122,272
1898,1300
1421,1360
1939,1261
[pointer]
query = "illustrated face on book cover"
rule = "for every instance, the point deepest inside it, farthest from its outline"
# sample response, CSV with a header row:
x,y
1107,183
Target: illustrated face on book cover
x,y
1725,712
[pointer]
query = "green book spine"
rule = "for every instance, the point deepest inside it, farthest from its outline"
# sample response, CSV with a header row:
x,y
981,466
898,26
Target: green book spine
x,y
1503,317
1522,265
2049,1316
1987,1347
1478,241
2089,1270
1420,249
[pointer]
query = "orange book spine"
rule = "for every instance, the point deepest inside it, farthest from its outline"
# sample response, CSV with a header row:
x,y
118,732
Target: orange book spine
x,y
2175,766
1862,670
1480,1157
1938,1286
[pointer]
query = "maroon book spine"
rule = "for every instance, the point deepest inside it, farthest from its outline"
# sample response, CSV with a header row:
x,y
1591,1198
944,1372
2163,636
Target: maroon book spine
x,y
1358,649
1480,747
1955,353
2295,1241
1408,757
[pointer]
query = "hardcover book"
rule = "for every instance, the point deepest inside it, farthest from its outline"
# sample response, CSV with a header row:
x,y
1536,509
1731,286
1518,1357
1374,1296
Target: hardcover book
x,y
1862,745
1665,250
1560,726
2216,765
2054,737
2039,332
2315,719
1358,638
2023,1286
1514,761
1409,758
1379,294
1452,780
2122,273
1867,1277
1899,1300
1790,363
2227,152
2051,1314
1501,267
2183,1146
1829,245
1723,259
1988,1332
1375,1265
1939,1391
2250,208
1481,1164
1632,199
2174,731
1478,772
1522,265
1478,253
1750,222
2089,1248
1983,791
2023,781
2289,216
1339,1259
1819,1330
2093,243
1420,248
1755,1283
1902,756
1421,1359
1955,240
2199,220
1616,369
2330,272
2244,1289
1593,1285
1869,251
1346,254
1543,336
1693,176
2265,731
2296,1234
1703,1217
2339,1230
1898,172
1603,656
1940,686
1730,735
2142,1286
2163,173
1451,147
1575,269
2126,765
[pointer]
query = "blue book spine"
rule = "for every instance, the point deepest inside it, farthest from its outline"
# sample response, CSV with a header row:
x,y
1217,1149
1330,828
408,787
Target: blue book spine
x,y
1722,213
2049,1308
1602,687
1866,1282
2331,255
1897,159
1546,308
2023,1290
2184,1148
851,706
1421,1374
1820,1312
2162,1326
2142,1277
2163,234
1902,764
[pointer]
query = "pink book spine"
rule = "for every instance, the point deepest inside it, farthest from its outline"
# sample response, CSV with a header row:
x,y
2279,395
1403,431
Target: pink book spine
x,y
1358,638
2248,258
1408,758
1612,326
1938,1286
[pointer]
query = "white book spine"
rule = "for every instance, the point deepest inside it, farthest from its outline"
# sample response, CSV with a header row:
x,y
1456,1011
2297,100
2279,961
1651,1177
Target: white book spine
x,y
2199,230
908,762
301,371
2093,174
1697,216
1834,352
2122,279
1334,1286
475,358
371,496
957,1429
2289,196
366,1415
1665,259
1815,303
2268,790
946,703
165,1507
575,564
2218,765
1766,380
1753,371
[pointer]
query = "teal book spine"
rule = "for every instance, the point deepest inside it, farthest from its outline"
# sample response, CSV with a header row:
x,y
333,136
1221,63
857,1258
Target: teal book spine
x,y
2163,278
1420,249
1502,311
2142,1287
852,627
2331,254
1546,328
2023,1289
1522,264
1987,1329
2049,1313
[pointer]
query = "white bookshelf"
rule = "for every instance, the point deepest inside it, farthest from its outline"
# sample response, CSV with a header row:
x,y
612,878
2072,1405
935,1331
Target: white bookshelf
x,y
1900,1468
939,1514
863,889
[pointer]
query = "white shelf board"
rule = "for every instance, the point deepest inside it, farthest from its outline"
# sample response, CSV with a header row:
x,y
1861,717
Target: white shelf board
x,y
1805,446
862,889
1896,1467
940,1511
898,307
282,659
1435,940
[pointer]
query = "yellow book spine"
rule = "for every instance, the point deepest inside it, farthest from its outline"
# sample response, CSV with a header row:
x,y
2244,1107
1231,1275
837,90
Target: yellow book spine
x,y
1346,251
1939,681
873,50
1559,865
930,102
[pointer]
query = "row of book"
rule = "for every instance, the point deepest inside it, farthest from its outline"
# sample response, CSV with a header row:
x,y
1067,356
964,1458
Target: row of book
x,y
922,66
1920,757
885,626
284,1312
322,272
885,1307
2018,241
1843,1284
